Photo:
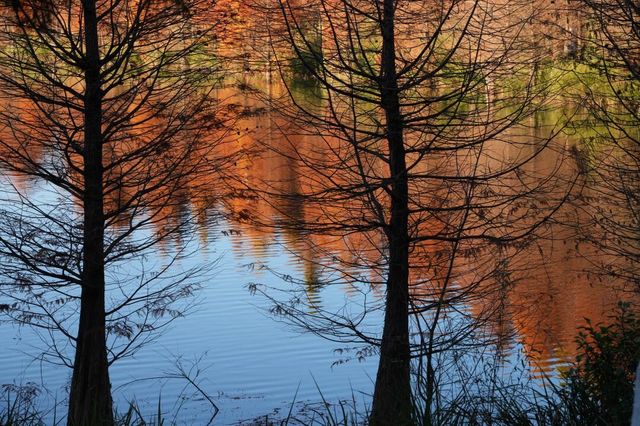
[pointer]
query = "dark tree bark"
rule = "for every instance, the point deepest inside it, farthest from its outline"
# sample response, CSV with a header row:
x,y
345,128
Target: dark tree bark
x,y
90,396
392,394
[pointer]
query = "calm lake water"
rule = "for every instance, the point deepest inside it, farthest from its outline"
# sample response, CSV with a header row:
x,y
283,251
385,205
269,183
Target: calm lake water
x,y
252,365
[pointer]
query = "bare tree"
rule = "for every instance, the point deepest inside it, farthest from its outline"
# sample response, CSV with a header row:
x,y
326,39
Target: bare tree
x,y
417,157
611,49
106,117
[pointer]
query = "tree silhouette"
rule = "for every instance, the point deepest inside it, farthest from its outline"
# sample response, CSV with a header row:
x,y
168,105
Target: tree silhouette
x,y
611,48
417,157
106,116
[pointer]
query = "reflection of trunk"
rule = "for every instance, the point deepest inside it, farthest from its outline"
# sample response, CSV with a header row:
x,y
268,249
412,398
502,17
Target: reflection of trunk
x,y
90,398
392,395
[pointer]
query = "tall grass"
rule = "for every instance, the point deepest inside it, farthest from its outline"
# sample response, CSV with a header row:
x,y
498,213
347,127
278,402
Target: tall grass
x,y
19,406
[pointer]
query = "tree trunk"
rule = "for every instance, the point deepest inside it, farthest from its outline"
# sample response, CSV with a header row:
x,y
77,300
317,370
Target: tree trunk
x,y
392,394
90,397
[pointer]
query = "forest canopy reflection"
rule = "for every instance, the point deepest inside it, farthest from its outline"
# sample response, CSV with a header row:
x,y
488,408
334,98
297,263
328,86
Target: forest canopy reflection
x,y
464,170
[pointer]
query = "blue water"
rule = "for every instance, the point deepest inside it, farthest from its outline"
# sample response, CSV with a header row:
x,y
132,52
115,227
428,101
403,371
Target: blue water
x,y
248,363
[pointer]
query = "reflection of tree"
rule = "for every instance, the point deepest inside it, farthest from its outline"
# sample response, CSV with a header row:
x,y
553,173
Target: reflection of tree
x,y
106,105
552,292
613,99
407,162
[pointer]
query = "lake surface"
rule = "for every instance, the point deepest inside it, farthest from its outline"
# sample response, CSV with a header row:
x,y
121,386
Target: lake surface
x,y
252,365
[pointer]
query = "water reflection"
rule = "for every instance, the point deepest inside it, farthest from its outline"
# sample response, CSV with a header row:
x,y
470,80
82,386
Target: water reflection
x,y
550,287
550,291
